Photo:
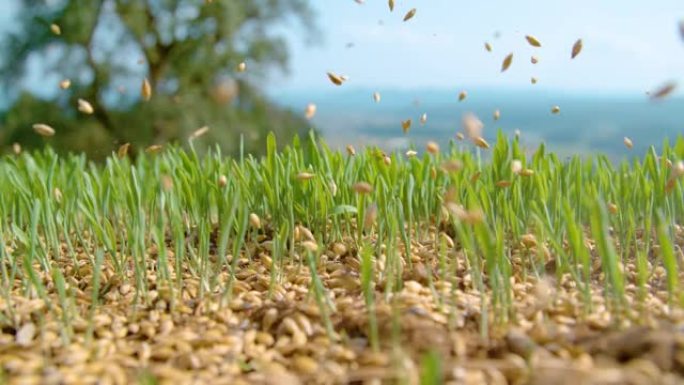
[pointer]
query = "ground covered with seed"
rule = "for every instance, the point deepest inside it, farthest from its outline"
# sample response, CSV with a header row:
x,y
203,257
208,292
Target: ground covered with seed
x,y
316,267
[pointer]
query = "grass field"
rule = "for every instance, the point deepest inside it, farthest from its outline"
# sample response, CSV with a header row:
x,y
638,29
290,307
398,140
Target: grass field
x,y
464,265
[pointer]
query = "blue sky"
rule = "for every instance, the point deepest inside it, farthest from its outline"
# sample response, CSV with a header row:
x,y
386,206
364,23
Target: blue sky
x,y
629,46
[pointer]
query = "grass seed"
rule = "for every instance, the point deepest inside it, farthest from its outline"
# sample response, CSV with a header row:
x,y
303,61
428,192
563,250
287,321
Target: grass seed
x,y
199,132
496,115
555,110
472,125
576,48
480,142
462,95
122,151
533,41
55,29
362,188
628,142
43,129
376,97
410,14
508,60
534,59
65,84
310,111
406,125
146,90
154,149
664,91
305,176
85,107
390,3
242,67
488,46
432,147
335,79
423,119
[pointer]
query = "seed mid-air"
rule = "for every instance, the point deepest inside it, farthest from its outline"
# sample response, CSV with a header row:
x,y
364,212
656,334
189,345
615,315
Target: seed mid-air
x,y
336,79
409,15
507,62
376,97
55,29
533,41
390,3
423,119
310,111
65,84
576,48
43,129
628,142
406,125
146,90
462,95
664,91
242,67
85,107
488,46
555,110
534,60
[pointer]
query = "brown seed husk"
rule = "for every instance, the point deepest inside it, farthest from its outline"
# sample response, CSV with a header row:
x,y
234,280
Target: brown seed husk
x,y
335,79
406,125
146,90
409,15
576,48
508,60
390,3
533,41
664,91
123,150
462,95
362,188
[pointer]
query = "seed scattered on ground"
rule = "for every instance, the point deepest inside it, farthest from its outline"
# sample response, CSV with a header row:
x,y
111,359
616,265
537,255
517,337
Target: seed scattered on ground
x,y
462,95
199,132
534,59
406,125
43,129
65,84
576,48
310,111
496,115
529,240
507,62
555,110
25,334
55,29
376,97
533,41
85,107
409,15
335,79
241,67
628,142
146,90
423,119
664,91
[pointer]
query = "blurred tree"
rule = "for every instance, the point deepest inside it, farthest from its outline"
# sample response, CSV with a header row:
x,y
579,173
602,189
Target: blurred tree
x,y
190,51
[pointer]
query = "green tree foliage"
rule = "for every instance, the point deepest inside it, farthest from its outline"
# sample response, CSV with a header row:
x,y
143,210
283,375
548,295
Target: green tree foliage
x,y
188,49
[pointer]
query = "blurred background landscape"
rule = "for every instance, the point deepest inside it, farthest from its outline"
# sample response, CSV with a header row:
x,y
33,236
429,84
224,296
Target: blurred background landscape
x,y
191,50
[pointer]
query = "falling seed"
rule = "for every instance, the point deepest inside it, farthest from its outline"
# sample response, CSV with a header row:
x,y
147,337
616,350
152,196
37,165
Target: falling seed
x,y
153,149
360,1
222,181
199,132
406,125
65,84
527,172
496,115
310,111
460,136
480,142
350,150
335,79
517,133
534,42
472,125
241,67
362,188
57,193
387,160
410,14
534,59
628,142
613,208
411,153
432,147
488,46
475,177
16,148
146,90
516,166
85,107
423,119
681,29
305,176
664,91
462,96
371,216
43,129
123,150
390,3
576,48
507,62
503,183
533,80
376,97
452,166
254,221
55,29
555,110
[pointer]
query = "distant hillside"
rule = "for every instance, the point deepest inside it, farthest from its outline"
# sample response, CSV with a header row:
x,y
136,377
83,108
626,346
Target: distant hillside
x,y
587,123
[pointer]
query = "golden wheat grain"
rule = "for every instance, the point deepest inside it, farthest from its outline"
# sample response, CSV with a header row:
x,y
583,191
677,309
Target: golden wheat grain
x,y
533,41
55,29
335,79
222,181
351,150
310,111
462,95
43,129
254,221
305,176
409,15
85,107
480,142
146,90
362,188
508,60
576,48
555,110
